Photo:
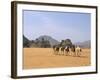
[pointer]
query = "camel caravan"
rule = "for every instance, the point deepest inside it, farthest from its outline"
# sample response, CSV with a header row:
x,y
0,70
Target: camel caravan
x,y
67,50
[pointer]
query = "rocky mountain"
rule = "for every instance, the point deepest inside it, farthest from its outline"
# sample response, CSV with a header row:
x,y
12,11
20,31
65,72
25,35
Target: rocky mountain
x,y
50,39
25,42
85,44
25,39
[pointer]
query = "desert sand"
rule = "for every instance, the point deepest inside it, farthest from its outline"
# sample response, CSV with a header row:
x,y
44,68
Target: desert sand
x,y
45,58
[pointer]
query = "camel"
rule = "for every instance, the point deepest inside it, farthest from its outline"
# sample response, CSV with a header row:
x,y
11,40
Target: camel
x,y
67,50
61,50
78,51
56,49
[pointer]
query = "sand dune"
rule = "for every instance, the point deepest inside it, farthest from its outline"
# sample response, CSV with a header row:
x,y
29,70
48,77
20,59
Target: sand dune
x,y
45,58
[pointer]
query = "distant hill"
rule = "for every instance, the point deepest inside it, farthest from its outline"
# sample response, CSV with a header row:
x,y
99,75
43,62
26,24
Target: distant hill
x,y
25,39
25,42
50,39
85,44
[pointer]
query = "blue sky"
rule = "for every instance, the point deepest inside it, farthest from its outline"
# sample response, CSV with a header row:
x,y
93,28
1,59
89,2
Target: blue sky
x,y
59,25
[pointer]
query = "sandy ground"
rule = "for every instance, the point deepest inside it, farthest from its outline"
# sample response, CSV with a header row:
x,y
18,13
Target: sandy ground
x,y
45,58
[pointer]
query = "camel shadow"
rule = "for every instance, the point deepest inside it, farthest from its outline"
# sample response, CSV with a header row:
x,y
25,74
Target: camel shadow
x,y
81,56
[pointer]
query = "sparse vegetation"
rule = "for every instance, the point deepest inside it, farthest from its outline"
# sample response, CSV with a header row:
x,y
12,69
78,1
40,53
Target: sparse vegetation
x,y
45,42
36,43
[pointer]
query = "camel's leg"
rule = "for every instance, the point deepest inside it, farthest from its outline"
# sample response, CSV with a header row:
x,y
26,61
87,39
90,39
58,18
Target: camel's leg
x,y
54,52
70,53
66,53
62,52
78,54
75,53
